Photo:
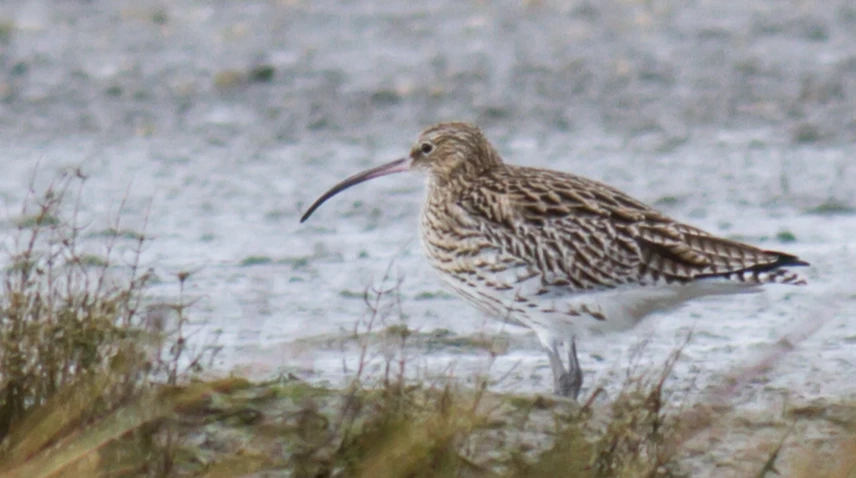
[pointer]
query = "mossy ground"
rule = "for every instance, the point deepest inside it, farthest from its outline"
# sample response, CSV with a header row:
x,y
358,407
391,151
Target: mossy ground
x,y
290,427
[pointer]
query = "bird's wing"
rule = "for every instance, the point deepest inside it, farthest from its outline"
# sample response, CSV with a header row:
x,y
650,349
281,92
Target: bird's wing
x,y
594,236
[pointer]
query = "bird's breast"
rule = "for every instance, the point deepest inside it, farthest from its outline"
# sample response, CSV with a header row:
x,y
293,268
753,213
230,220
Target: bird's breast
x,y
476,267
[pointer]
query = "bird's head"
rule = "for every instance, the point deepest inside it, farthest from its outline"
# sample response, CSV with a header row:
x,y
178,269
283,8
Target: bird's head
x,y
451,150
445,152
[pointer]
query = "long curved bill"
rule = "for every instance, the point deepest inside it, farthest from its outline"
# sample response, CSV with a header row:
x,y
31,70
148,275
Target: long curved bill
x,y
397,166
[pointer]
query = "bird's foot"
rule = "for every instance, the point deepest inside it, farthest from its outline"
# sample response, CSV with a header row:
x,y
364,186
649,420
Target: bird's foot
x,y
569,385
566,382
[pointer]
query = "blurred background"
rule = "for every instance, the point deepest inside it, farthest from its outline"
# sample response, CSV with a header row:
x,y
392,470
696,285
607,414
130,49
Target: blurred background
x,y
218,122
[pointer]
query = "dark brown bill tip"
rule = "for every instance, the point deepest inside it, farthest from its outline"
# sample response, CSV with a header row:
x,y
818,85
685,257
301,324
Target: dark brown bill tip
x,y
397,166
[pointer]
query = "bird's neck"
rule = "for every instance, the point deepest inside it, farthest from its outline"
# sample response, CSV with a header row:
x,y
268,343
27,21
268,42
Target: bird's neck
x,y
452,188
438,190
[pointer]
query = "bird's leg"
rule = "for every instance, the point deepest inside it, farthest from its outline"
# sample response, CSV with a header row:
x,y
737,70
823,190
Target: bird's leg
x,y
575,372
567,383
557,367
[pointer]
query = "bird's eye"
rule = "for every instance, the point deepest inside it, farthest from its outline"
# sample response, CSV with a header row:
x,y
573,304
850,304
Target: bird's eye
x,y
426,148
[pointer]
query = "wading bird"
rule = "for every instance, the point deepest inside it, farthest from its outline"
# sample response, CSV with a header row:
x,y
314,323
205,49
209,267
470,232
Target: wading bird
x,y
559,253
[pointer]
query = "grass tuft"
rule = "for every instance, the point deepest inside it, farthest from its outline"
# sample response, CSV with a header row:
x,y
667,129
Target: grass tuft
x,y
77,361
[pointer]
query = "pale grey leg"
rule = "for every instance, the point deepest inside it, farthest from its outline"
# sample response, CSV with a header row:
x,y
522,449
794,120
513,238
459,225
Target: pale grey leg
x,y
575,372
566,383
557,367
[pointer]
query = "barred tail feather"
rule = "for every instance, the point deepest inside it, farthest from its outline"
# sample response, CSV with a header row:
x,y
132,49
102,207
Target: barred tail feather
x,y
778,276
775,272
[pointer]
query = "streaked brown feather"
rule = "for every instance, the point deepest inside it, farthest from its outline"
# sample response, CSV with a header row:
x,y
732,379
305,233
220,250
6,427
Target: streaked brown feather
x,y
593,235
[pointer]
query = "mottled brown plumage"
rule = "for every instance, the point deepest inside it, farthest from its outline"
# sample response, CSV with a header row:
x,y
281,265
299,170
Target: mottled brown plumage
x,y
560,253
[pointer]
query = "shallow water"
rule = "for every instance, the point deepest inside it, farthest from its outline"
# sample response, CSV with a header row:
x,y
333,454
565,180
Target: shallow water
x,y
219,172
277,316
